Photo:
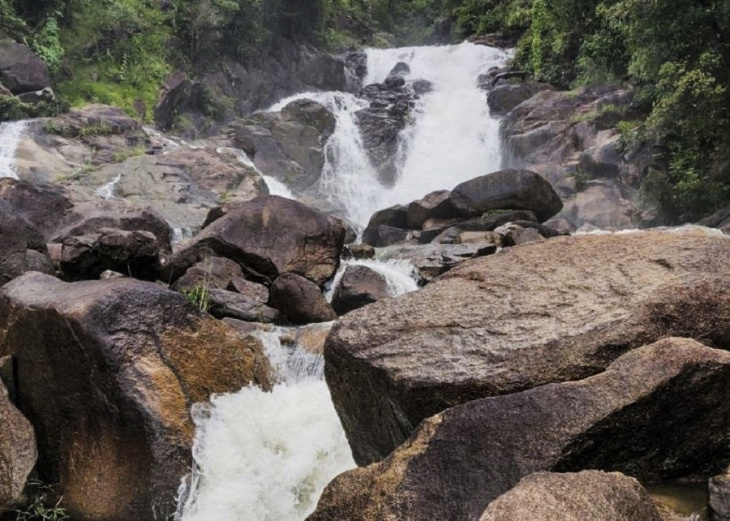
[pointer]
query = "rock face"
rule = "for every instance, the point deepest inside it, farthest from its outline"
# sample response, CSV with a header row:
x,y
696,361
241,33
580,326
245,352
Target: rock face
x,y
20,69
17,450
300,300
591,494
571,139
22,247
625,419
358,287
289,145
107,372
268,236
540,313
719,500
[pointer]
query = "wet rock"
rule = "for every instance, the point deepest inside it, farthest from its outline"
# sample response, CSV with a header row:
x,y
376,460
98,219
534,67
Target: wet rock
x,y
300,300
211,273
106,373
507,190
624,419
17,448
358,287
591,494
432,260
394,216
191,108
503,98
396,77
268,236
135,254
548,312
358,251
89,218
42,204
21,70
229,304
289,145
22,247
479,238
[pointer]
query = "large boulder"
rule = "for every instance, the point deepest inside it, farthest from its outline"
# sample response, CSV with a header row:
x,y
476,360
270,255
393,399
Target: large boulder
x,y
530,315
106,373
507,190
21,70
300,300
17,449
268,236
89,218
626,419
22,247
591,494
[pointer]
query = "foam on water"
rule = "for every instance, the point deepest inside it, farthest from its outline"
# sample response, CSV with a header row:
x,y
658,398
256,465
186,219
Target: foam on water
x,y
10,134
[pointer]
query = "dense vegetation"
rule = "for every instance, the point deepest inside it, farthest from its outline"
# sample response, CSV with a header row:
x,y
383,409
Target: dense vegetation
x,y
675,53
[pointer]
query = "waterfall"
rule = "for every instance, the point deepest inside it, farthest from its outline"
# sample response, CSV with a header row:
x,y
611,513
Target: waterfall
x,y
267,456
10,134
106,191
452,137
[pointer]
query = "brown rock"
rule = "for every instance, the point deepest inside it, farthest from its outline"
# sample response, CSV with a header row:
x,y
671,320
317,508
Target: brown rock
x,y
626,419
43,205
436,205
21,70
17,449
548,312
300,300
591,494
229,304
252,290
107,372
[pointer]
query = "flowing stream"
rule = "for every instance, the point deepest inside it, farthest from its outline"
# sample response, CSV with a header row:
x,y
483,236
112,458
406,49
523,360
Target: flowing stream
x,y
10,134
266,456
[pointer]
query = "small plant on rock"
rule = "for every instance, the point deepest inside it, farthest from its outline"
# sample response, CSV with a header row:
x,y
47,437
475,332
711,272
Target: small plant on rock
x,y
39,505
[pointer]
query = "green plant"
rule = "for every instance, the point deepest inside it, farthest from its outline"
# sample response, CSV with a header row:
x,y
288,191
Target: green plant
x,y
40,505
199,296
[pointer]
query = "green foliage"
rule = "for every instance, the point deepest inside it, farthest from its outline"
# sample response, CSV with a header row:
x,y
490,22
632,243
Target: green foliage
x,y
39,504
199,296
47,44
12,108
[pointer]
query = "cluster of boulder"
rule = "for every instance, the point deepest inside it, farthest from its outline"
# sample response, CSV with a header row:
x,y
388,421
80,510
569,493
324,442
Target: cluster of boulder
x,y
562,356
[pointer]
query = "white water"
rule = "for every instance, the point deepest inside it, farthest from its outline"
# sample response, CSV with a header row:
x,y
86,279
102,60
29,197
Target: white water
x,y
400,275
106,191
452,139
275,187
267,456
10,134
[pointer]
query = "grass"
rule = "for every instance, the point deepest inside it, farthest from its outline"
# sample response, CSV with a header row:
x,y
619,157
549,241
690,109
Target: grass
x,y
40,507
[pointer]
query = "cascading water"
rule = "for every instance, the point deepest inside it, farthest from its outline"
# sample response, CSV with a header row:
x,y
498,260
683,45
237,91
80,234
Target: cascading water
x,y
452,138
400,275
265,456
10,134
